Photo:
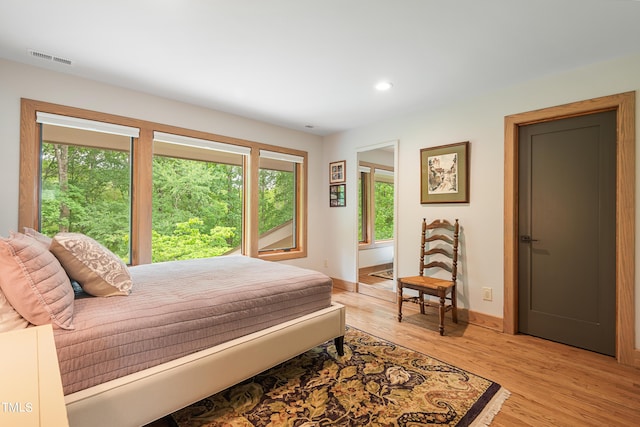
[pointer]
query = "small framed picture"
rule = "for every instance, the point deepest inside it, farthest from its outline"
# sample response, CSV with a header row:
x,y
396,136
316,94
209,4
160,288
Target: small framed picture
x,y
337,196
444,175
336,172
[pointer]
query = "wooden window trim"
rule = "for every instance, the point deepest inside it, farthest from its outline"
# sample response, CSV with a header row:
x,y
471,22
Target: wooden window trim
x,y
301,210
141,194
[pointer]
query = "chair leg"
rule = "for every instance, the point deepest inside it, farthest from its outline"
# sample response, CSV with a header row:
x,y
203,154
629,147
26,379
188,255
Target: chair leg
x,y
454,305
442,310
421,299
399,294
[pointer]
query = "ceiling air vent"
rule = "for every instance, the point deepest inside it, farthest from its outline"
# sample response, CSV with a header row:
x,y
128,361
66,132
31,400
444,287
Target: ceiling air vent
x,y
47,57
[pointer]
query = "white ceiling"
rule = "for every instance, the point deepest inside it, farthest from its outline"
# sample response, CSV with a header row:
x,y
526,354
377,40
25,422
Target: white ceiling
x,y
315,62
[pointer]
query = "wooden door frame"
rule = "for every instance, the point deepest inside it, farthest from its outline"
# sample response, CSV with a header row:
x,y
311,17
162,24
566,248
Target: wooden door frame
x,y
624,105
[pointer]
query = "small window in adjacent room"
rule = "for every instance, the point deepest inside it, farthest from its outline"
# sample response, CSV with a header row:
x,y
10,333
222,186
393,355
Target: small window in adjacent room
x,y
375,204
383,189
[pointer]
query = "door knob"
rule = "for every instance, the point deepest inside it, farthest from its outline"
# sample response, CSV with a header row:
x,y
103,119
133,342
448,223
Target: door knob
x,y
527,239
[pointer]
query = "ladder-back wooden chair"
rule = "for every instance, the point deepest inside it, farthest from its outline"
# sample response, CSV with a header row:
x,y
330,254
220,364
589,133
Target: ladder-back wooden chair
x,y
438,251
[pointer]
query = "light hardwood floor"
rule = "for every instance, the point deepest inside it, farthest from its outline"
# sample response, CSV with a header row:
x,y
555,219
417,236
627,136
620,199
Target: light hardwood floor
x,y
551,384
375,286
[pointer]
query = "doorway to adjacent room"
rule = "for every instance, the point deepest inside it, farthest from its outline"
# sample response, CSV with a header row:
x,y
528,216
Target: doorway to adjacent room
x,y
376,212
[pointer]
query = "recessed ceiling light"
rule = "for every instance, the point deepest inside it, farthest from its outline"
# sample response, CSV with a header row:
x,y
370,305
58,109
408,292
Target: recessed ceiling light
x,y
384,85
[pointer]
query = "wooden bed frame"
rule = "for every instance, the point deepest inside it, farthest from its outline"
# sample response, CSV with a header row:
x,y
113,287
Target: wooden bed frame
x,y
146,396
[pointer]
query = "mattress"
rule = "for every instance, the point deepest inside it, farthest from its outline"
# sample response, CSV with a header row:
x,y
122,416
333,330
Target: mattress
x,y
180,307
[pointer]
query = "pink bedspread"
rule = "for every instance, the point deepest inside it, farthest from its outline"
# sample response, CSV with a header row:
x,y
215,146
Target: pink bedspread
x,y
180,307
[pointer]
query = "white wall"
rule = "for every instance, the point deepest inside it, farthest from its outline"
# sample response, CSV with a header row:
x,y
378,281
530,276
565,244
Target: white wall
x,y
22,81
481,121
379,156
376,256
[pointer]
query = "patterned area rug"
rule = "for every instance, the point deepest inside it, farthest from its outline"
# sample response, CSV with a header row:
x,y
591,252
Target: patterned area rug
x,y
385,274
376,383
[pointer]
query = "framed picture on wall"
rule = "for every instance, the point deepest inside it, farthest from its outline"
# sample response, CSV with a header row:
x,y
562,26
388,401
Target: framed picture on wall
x,y
337,171
337,196
444,174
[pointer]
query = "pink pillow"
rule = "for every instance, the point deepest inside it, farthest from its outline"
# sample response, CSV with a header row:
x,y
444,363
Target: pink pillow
x,y
41,238
35,283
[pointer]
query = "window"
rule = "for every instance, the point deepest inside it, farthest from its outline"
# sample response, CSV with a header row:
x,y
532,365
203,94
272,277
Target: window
x,y
375,204
197,198
383,188
85,182
152,192
278,201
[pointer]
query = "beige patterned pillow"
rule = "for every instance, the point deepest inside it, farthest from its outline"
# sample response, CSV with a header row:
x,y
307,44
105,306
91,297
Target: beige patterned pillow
x,y
98,270
34,282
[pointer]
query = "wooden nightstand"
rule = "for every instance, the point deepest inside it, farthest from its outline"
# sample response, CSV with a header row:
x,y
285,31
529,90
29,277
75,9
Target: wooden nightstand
x,y
30,384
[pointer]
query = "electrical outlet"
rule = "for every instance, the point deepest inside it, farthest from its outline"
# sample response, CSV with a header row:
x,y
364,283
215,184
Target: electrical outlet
x,y
326,263
487,294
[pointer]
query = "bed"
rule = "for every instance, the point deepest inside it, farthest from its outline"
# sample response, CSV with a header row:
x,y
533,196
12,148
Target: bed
x,y
180,332
257,315
140,398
